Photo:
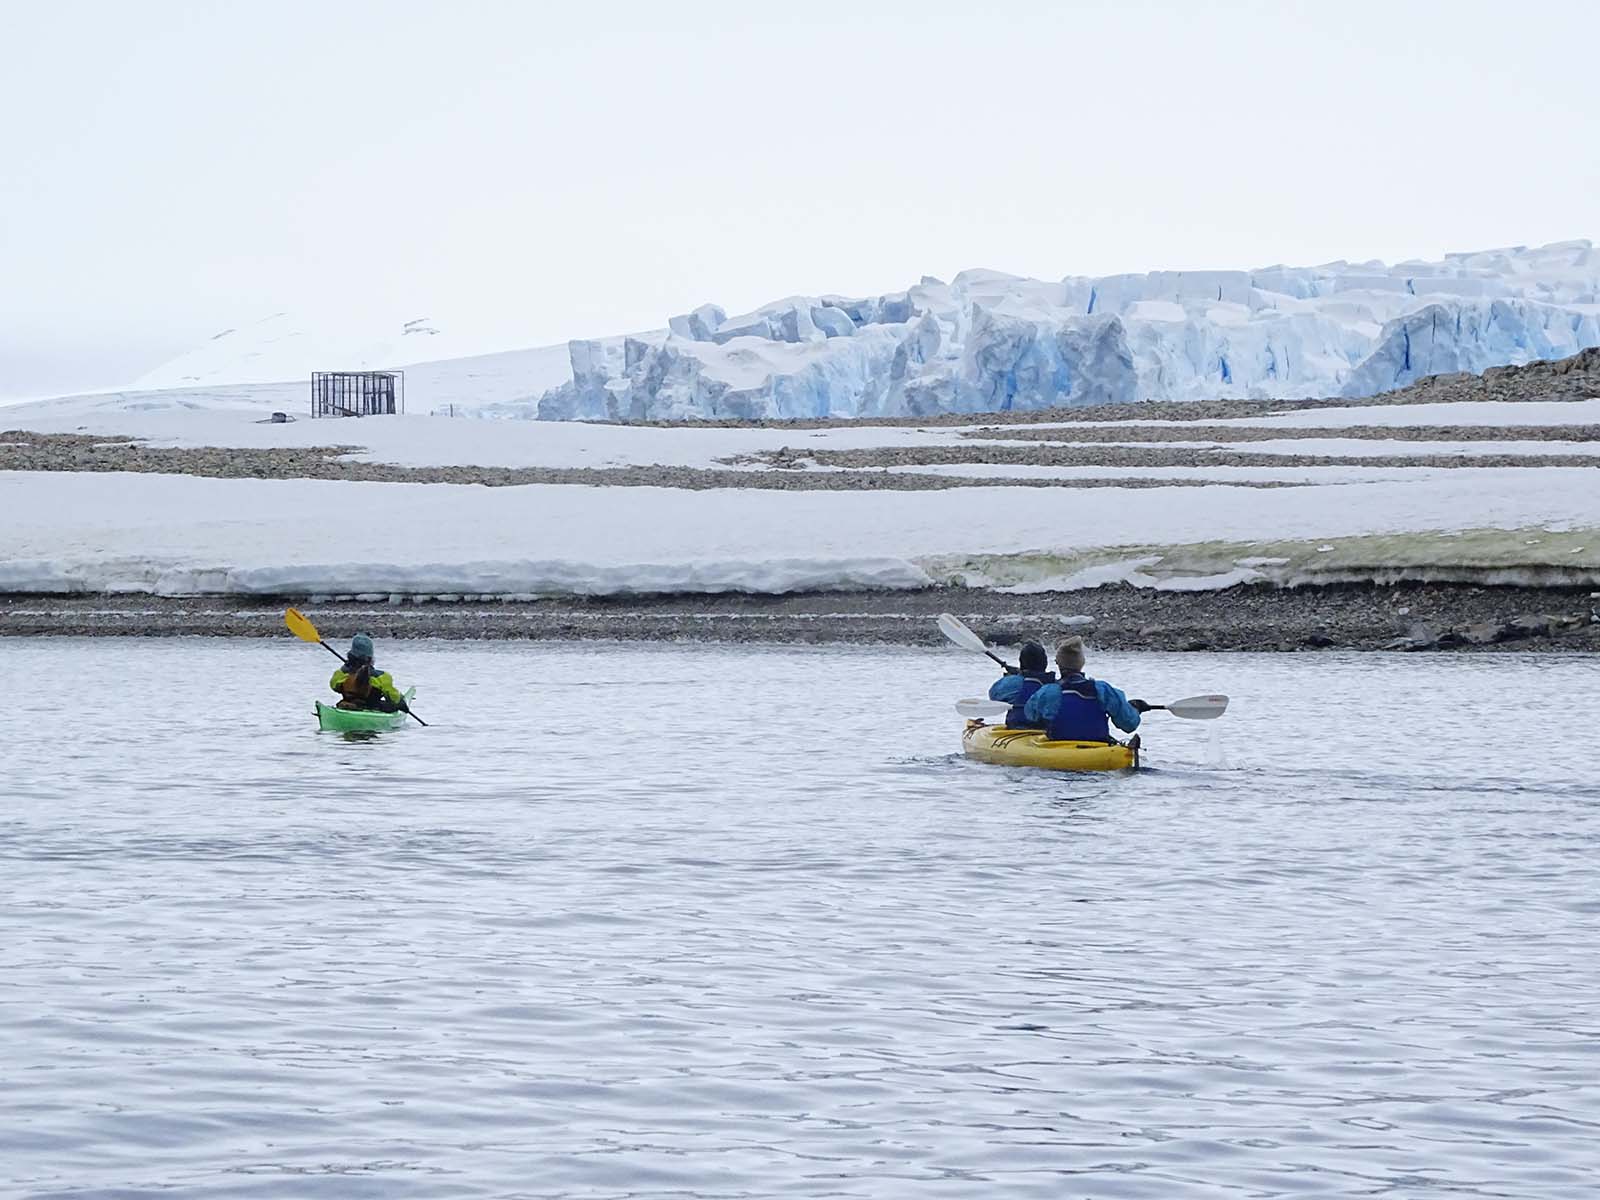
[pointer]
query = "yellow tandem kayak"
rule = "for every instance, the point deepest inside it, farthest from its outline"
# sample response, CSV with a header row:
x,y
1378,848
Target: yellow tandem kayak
x,y
1030,748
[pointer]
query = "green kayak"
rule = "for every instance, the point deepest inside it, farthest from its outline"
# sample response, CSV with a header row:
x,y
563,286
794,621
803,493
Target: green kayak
x,y
346,720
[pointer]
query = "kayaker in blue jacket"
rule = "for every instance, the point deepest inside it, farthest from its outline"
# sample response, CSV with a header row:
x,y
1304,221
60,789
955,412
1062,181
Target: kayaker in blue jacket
x,y
1077,708
1017,686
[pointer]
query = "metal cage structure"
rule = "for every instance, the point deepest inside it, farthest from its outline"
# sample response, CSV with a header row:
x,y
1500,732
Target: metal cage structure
x,y
357,393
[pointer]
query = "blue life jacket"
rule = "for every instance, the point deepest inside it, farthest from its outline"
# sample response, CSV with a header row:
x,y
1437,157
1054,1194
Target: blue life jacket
x,y
1016,718
1081,717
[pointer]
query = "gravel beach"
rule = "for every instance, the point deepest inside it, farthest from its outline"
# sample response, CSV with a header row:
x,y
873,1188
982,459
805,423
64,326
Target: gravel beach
x,y
1251,617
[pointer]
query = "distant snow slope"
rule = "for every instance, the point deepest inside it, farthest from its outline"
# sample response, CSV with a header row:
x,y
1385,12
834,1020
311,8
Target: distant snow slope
x,y
286,347
984,342
272,360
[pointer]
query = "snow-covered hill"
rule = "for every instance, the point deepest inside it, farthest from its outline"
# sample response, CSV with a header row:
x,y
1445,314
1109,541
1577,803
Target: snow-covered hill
x,y
267,365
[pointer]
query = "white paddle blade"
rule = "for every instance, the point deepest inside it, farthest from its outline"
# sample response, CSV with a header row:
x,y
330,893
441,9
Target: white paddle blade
x,y
1199,708
975,710
960,634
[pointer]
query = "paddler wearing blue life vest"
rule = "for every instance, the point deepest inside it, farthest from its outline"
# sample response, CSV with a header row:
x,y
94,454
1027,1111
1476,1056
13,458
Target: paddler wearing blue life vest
x,y
1077,708
361,685
1018,685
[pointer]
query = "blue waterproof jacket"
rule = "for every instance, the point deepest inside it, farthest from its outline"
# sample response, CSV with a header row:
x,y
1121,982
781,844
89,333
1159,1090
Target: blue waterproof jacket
x,y
1017,690
1075,710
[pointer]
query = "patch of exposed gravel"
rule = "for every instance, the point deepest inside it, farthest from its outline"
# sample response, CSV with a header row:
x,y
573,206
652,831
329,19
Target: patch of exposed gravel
x,y
81,452
1054,454
1279,433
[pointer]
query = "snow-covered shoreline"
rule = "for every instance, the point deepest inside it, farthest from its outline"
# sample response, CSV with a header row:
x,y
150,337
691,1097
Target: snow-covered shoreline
x,y
181,535
166,496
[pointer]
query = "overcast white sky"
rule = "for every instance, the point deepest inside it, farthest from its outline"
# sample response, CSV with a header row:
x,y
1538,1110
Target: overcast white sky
x,y
170,169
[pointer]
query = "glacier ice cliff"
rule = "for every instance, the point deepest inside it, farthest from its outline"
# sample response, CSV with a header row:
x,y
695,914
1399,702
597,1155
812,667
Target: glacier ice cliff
x,y
988,341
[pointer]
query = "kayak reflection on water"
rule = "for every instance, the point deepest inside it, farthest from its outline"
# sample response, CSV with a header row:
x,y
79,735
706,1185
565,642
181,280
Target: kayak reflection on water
x,y
361,686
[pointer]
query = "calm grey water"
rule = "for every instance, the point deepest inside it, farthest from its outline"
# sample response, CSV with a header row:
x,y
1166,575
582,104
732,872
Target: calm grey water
x,y
738,922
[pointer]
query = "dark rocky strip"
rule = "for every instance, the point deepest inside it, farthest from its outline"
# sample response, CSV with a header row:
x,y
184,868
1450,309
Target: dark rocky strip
x,y
79,452
1049,454
1279,433
1249,617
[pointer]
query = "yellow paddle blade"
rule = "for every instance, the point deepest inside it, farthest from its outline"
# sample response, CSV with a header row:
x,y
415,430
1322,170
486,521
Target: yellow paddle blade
x,y
300,627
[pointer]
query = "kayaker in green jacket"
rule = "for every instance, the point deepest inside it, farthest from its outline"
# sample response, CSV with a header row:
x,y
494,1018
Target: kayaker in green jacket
x,y
361,685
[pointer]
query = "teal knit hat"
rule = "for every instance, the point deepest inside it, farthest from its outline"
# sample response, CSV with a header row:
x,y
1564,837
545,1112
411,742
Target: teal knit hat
x,y
361,646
